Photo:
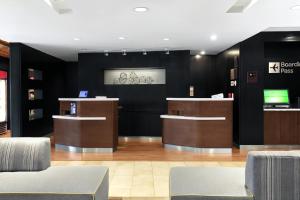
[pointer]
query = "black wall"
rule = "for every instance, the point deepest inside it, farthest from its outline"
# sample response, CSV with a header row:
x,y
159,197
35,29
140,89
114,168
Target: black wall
x,y
140,105
224,62
203,76
255,53
22,58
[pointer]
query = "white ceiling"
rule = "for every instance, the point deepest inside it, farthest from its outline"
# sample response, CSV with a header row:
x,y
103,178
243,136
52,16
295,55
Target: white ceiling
x,y
99,23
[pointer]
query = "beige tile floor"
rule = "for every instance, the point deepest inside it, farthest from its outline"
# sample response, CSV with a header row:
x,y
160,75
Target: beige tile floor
x,y
142,178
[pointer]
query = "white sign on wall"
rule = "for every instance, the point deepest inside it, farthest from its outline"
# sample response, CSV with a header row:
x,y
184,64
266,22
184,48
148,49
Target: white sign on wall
x,y
134,76
2,100
283,67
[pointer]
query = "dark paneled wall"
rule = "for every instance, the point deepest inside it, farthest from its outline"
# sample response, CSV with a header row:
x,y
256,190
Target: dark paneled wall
x,y
255,53
140,105
71,80
203,76
224,62
22,58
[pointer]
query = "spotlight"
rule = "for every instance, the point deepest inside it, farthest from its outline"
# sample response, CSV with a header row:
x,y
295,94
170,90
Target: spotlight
x,y
197,56
124,53
202,52
106,53
144,53
213,37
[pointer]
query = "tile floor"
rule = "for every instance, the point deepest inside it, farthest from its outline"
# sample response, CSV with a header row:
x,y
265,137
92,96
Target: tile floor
x,y
137,179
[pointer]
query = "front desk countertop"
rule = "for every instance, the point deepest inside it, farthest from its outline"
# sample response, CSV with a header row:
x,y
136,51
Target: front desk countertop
x,y
281,109
78,118
199,99
192,118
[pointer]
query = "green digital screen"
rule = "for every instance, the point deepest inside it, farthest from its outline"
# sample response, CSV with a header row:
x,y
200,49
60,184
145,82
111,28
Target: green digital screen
x,y
276,97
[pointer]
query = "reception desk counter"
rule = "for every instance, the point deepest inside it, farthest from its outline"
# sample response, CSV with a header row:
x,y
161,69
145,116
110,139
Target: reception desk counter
x,y
87,125
282,126
198,124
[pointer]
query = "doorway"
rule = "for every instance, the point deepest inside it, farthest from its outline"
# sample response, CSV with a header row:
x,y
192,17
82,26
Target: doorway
x,y
3,101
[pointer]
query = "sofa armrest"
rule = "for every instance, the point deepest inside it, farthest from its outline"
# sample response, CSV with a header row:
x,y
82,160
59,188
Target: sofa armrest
x,y
24,154
273,175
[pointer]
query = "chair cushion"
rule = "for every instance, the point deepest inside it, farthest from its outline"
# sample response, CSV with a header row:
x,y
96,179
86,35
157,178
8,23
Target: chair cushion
x,y
56,183
273,175
208,183
24,154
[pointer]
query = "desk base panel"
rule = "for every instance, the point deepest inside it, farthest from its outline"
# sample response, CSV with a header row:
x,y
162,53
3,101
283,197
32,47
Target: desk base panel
x,y
83,150
198,150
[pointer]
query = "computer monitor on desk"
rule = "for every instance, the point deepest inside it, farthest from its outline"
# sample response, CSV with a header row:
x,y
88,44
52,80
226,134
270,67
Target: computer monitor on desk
x,y
278,98
83,94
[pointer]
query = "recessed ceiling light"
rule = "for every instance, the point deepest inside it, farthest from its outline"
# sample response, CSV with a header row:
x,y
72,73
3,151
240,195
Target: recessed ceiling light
x,y
76,39
202,52
197,56
121,38
166,39
213,37
141,9
296,7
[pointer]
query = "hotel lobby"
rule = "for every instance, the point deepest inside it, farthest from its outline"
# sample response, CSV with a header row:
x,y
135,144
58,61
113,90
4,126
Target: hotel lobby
x,y
150,100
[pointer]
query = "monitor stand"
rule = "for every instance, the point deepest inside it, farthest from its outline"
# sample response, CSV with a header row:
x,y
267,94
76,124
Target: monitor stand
x,y
281,106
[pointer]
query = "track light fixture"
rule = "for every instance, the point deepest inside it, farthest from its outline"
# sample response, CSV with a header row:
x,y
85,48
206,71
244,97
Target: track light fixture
x,y
106,53
144,52
124,53
167,52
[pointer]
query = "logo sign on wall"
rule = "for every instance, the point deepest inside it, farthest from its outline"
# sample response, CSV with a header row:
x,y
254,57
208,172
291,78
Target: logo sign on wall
x,y
135,76
283,67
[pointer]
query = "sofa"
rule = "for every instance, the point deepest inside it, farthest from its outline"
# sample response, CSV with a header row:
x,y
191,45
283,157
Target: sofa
x,y
26,174
269,175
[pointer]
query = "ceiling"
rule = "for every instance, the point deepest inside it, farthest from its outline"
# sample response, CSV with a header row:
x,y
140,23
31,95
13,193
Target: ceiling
x,y
99,24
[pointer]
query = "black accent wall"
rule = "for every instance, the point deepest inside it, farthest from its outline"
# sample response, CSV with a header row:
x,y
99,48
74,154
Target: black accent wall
x,y
255,54
140,105
22,58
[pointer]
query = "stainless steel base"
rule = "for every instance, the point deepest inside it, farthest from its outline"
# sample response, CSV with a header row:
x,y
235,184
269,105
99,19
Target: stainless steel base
x,y
198,150
83,150
140,139
268,147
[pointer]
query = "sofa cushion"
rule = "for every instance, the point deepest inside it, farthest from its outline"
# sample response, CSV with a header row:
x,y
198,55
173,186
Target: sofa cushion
x,y
56,183
273,175
24,154
203,183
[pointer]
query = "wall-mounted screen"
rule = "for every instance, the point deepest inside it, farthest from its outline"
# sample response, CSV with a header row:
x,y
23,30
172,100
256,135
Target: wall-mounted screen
x,y
135,76
276,97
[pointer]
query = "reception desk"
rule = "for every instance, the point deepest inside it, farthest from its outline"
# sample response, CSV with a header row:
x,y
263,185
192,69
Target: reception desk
x,y
198,124
282,126
87,125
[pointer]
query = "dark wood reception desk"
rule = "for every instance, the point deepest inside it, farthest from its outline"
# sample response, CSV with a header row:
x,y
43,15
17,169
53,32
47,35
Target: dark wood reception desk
x,y
282,126
198,124
87,125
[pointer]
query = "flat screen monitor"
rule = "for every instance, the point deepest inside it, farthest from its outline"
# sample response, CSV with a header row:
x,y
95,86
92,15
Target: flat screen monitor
x,y
83,94
276,97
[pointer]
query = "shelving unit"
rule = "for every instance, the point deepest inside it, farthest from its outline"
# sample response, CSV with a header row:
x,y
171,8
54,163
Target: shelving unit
x,y
35,94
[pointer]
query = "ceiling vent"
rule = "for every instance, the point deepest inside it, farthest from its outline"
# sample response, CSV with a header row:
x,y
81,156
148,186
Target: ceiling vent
x,y
241,6
59,6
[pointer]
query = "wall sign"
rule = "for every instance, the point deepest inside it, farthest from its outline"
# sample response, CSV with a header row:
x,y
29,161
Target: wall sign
x,y
283,67
134,76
